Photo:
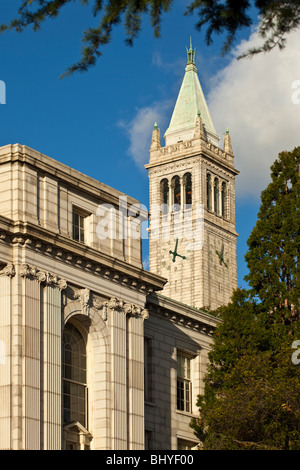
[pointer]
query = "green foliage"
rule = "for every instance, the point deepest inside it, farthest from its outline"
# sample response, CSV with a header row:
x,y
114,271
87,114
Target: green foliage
x,y
274,244
251,397
277,19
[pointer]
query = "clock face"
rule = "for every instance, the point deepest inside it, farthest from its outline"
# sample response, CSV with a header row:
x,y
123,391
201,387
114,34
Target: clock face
x,y
174,254
221,256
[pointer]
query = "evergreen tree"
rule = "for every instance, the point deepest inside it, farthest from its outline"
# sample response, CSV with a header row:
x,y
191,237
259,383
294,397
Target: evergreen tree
x,y
252,388
274,244
277,19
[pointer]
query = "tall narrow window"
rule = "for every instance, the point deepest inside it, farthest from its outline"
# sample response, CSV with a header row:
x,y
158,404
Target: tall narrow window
x,y
148,369
74,376
176,193
208,192
188,188
224,200
78,226
216,196
164,188
183,382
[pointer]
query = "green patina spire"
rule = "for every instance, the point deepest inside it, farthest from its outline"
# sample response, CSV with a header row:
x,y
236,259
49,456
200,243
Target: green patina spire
x,y
190,54
190,103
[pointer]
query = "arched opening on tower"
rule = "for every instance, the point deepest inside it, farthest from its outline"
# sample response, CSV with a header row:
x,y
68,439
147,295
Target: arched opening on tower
x,y
176,193
164,195
188,189
216,196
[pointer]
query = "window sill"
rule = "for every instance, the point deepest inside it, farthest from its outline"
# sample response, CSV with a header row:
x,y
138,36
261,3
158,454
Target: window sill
x,y
149,403
189,414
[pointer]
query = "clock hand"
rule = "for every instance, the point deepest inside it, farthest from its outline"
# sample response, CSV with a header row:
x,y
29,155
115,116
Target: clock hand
x,y
174,253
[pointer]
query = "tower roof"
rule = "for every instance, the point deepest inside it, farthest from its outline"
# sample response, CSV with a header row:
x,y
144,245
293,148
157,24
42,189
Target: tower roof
x,y
190,103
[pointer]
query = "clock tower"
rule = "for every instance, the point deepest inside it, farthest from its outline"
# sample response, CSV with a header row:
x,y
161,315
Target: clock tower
x,y
192,236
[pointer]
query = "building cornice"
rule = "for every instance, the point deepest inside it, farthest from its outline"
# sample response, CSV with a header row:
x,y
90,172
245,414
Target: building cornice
x,y
181,314
190,149
64,174
78,255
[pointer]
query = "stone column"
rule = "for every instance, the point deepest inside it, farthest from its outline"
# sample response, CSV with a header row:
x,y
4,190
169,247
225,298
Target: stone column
x,y
136,424
6,276
182,193
118,375
31,359
41,359
52,426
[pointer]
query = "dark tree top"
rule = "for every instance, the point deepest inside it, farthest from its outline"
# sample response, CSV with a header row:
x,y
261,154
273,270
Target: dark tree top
x,y
277,19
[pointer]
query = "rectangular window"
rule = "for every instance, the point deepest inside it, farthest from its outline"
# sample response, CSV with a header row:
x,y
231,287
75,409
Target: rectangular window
x,y
74,399
78,226
183,382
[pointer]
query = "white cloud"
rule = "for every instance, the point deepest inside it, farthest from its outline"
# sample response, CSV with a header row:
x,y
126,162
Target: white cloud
x,y
253,98
139,129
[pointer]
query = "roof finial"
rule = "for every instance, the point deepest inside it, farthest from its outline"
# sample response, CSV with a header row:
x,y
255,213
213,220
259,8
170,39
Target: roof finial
x,y
190,53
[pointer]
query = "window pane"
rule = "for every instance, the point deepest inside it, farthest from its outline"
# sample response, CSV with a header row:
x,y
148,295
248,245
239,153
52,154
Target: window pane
x,y
183,383
74,370
78,226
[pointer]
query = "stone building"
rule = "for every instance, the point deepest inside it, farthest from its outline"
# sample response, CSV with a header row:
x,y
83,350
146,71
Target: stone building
x,y
95,351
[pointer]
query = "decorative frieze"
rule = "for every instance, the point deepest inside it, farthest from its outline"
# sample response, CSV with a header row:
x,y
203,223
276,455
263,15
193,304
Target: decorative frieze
x,y
174,148
128,308
182,320
81,262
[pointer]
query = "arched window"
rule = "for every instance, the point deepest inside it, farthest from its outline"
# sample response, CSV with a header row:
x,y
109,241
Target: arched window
x,y
74,376
224,199
164,191
176,193
188,188
208,192
216,196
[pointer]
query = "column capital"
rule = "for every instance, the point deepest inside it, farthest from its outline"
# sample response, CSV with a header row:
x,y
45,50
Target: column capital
x,y
8,270
45,277
127,308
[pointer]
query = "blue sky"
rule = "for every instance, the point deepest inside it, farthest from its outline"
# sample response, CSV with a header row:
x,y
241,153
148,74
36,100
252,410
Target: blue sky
x,y
100,122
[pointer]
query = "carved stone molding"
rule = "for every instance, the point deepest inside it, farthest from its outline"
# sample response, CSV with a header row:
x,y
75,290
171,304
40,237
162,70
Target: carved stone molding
x,y
87,299
128,308
174,148
8,270
182,320
84,296
44,277
111,273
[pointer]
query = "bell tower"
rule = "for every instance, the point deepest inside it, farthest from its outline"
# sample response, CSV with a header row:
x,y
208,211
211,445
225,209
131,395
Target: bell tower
x,y
192,236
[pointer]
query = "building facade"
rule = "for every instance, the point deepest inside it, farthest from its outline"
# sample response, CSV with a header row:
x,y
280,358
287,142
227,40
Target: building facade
x,y
95,351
